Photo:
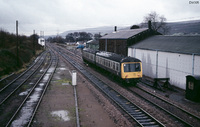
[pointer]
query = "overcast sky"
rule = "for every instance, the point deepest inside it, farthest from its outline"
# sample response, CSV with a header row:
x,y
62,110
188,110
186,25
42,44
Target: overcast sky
x,y
57,16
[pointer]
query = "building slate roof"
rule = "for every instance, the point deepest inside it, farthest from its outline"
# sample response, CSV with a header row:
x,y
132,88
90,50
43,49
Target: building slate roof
x,y
124,34
177,44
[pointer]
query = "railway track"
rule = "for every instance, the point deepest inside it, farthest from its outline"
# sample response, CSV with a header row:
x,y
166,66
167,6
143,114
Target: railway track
x,y
180,115
19,108
9,89
136,113
5,78
26,111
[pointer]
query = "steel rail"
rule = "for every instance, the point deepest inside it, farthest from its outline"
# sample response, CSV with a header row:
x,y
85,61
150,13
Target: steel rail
x,y
1,80
187,112
135,112
29,94
172,114
22,73
47,84
15,89
76,101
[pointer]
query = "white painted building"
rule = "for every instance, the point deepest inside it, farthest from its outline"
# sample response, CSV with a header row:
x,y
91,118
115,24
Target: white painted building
x,y
172,57
41,41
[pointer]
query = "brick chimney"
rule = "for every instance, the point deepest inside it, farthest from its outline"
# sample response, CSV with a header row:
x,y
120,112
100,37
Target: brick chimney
x,y
115,29
149,24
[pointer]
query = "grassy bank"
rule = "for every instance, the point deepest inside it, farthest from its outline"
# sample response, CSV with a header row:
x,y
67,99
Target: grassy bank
x,y
28,48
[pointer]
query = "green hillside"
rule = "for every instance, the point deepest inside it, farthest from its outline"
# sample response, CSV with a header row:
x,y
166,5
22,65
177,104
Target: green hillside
x,y
8,51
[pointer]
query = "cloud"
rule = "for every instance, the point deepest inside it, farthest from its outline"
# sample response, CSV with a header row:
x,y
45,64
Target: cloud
x,y
52,16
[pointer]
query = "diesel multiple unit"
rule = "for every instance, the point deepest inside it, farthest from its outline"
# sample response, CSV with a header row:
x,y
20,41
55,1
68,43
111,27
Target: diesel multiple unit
x,y
127,68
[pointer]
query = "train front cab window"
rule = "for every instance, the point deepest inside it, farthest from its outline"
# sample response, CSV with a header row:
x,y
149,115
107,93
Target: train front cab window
x,y
131,70
132,67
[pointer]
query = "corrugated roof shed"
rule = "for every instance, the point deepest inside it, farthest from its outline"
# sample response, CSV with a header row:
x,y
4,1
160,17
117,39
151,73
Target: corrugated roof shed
x,y
124,34
178,44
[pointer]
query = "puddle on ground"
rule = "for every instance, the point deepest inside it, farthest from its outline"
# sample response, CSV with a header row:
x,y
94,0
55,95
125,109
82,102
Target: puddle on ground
x,y
58,72
57,77
61,115
46,77
31,83
38,89
50,70
62,68
41,84
65,84
24,93
26,112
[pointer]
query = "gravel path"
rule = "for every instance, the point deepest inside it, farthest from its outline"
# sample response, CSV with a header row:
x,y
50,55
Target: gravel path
x,y
58,106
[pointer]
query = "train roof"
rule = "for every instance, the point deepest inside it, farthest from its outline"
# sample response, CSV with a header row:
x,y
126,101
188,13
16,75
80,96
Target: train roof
x,y
90,50
116,57
112,56
92,42
130,59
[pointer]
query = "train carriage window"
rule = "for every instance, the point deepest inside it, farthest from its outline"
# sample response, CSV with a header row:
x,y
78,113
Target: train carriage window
x,y
106,63
117,67
133,67
111,65
97,59
92,57
114,65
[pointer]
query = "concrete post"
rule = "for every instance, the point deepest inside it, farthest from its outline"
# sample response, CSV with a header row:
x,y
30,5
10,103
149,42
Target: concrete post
x,y
74,78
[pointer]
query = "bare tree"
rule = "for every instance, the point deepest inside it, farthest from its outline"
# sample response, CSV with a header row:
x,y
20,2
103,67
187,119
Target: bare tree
x,y
158,23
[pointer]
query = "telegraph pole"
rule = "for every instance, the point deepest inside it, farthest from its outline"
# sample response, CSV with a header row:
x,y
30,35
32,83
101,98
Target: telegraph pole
x,y
33,42
17,43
